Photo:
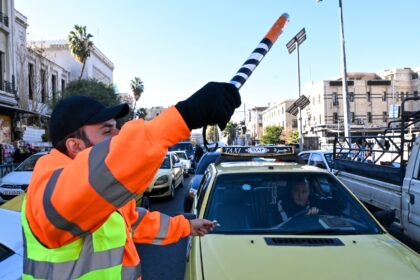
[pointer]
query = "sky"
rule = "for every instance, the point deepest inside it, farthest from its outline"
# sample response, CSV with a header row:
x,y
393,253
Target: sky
x,y
176,47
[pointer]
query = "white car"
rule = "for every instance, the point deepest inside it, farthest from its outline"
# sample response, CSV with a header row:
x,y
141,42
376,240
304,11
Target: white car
x,y
16,182
185,161
11,245
320,158
168,178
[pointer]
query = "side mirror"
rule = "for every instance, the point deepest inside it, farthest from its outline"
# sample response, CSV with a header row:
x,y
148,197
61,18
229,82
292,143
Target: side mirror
x,y
385,217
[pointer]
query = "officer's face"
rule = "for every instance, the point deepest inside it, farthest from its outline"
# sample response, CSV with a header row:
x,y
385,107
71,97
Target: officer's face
x,y
300,194
97,133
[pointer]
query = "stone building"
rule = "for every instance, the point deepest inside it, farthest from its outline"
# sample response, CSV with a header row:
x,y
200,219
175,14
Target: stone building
x,y
276,115
371,97
254,123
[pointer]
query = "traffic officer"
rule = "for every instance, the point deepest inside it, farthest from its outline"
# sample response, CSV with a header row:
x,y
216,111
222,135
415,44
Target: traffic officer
x,y
79,217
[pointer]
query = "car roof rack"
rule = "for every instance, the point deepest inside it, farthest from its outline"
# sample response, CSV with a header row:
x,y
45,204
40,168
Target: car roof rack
x,y
282,153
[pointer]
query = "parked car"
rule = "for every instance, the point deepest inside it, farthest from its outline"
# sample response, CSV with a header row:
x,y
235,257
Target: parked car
x,y
16,182
185,161
11,245
254,239
184,146
320,158
168,178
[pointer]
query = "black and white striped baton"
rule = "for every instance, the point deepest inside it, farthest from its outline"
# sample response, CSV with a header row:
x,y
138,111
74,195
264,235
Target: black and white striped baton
x,y
254,59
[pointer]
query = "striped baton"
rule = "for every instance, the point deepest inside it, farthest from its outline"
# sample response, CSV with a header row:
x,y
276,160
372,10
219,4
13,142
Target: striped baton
x,y
254,59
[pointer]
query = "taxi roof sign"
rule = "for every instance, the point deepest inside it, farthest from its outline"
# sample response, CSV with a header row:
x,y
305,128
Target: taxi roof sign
x,y
258,150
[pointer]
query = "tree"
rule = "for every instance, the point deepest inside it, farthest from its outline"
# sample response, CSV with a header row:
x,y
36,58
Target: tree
x,y
230,132
97,90
212,133
137,87
272,134
80,45
293,137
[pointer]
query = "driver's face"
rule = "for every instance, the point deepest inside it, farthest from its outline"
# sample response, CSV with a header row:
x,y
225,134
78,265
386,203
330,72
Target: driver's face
x,y
300,194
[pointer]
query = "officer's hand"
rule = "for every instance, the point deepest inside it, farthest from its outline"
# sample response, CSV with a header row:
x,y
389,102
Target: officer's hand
x,y
212,104
312,211
201,227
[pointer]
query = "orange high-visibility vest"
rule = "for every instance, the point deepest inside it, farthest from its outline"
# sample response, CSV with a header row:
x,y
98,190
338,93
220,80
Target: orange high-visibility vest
x,y
69,199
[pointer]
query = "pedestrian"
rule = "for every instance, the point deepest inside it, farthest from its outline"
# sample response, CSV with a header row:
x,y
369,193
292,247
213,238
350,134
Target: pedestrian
x,y
79,216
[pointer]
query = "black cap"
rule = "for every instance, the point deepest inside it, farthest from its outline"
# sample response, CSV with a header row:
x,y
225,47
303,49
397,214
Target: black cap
x,y
73,112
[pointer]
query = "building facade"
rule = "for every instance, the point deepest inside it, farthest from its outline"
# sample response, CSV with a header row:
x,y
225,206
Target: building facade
x,y
98,66
371,98
8,100
254,124
276,115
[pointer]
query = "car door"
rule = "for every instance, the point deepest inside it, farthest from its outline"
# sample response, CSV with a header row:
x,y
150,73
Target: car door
x,y
414,195
177,169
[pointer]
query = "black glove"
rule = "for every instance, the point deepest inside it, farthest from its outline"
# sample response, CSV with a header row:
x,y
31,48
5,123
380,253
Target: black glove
x,y
212,104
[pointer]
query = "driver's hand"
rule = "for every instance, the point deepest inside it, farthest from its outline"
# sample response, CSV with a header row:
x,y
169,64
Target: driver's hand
x,y
312,211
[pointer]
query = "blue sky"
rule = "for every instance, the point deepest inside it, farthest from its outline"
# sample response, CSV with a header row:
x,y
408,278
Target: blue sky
x,y
175,47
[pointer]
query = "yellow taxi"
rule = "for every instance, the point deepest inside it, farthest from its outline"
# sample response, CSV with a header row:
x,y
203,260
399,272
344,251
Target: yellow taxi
x,y
285,220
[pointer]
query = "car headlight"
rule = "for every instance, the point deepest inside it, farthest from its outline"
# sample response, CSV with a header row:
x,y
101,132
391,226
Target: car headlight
x,y
162,180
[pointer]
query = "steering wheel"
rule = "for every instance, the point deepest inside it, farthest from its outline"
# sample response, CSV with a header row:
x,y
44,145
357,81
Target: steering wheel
x,y
300,214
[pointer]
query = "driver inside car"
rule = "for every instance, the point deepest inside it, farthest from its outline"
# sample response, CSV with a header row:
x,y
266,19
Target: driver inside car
x,y
301,201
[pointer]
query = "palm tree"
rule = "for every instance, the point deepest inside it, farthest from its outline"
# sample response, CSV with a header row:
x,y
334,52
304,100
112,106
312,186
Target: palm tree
x,y
80,45
137,87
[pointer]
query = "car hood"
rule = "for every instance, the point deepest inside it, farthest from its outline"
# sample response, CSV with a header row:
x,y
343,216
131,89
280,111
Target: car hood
x,y
361,257
17,178
11,233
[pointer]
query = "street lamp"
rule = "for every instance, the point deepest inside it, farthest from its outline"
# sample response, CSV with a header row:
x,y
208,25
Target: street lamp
x,y
344,70
292,45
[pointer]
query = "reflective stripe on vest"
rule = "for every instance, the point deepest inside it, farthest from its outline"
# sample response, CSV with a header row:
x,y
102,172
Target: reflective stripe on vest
x,y
97,256
102,180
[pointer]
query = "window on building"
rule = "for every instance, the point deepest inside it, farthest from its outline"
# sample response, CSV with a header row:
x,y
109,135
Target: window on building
x,y
43,86
368,96
294,123
31,80
2,70
369,117
401,95
384,96
407,95
415,76
282,110
351,96
319,119
319,99
54,86
335,117
63,85
416,93
385,116
352,117
335,99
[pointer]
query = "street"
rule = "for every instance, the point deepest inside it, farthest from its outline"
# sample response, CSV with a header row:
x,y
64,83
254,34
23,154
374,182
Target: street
x,y
165,262
168,262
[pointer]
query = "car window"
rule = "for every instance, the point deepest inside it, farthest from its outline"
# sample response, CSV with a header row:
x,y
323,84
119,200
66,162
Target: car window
x,y
205,160
265,202
181,155
305,157
166,164
5,252
202,188
28,164
316,159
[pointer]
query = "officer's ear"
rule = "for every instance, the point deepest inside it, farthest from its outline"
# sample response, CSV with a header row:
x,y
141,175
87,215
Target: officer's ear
x,y
74,146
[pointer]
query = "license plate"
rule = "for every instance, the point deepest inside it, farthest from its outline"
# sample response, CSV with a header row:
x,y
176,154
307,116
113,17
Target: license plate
x,y
11,192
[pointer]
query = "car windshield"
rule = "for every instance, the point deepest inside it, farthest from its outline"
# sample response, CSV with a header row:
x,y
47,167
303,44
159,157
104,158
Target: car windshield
x,y
279,203
28,164
181,155
166,164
